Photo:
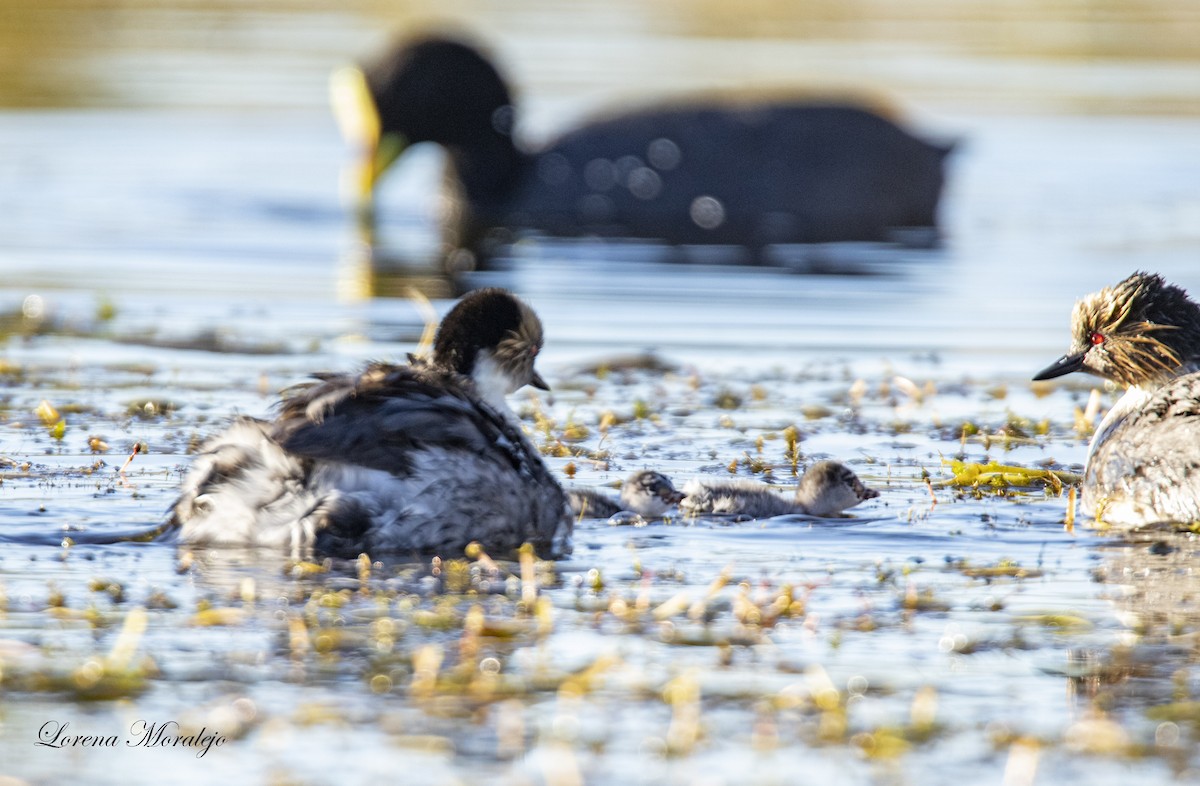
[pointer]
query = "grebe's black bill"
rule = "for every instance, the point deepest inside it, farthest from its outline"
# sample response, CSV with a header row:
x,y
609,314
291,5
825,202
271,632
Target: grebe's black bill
x,y
1061,367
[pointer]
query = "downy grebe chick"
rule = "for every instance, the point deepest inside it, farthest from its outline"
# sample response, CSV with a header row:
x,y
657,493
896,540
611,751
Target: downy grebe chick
x,y
749,173
1143,464
647,493
827,489
420,458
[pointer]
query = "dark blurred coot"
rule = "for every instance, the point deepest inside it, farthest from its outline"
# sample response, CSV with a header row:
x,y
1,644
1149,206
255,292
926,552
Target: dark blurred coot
x,y
749,174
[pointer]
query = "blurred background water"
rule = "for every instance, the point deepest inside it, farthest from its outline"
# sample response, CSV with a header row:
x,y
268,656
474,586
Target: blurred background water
x,y
184,148
169,185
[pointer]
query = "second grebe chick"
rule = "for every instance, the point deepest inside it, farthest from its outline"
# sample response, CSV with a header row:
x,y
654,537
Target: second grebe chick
x,y
827,489
1143,463
647,493
417,459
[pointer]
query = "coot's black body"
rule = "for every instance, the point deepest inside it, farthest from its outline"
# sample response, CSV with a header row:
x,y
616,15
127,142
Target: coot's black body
x,y
739,173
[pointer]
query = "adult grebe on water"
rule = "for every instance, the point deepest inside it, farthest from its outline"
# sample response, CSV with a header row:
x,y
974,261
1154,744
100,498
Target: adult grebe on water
x,y
419,458
1143,464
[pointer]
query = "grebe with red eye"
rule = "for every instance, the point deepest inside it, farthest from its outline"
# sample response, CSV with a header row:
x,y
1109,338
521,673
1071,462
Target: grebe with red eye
x,y
421,458
1143,464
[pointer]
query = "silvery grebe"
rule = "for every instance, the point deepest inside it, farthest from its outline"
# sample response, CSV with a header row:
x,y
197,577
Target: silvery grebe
x,y
1143,464
420,458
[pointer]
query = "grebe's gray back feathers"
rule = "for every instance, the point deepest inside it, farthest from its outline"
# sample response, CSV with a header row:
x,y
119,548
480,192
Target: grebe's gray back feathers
x,y
1146,467
390,419
389,411
376,418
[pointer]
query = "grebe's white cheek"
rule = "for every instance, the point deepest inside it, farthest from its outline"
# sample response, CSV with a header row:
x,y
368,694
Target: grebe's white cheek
x,y
492,383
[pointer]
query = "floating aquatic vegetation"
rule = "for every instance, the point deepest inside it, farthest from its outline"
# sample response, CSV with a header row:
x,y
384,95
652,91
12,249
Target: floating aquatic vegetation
x,y
10,372
1061,621
207,616
792,439
924,600
755,464
918,393
815,411
563,442
997,475
893,741
114,589
136,369
106,310
1019,427
55,425
727,399
114,676
28,319
1085,418
1176,712
1098,734
574,432
149,409
1002,569
208,340
648,361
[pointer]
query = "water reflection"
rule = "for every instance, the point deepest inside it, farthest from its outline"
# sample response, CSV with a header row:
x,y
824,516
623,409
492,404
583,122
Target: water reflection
x,y
1136,680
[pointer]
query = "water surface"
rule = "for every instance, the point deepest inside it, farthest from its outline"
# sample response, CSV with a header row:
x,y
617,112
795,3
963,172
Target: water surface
x,y
174,252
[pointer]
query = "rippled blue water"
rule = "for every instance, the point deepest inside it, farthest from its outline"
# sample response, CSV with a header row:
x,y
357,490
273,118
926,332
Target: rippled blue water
x,y
226,224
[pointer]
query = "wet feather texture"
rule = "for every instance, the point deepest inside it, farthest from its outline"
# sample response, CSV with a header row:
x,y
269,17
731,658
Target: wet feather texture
x,y
397,458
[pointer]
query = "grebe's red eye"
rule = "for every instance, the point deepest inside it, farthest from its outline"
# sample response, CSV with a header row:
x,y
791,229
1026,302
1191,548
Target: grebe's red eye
x,y
1097,338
